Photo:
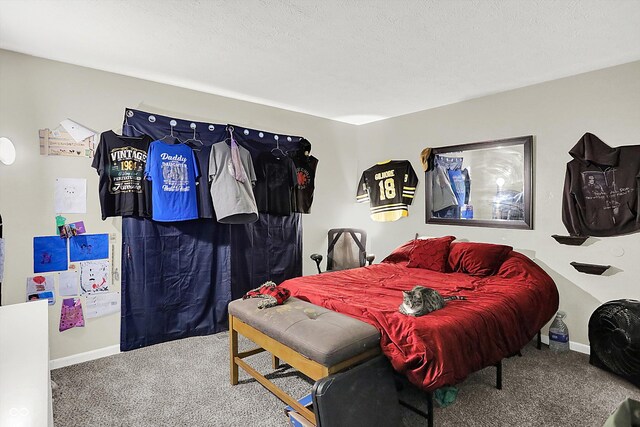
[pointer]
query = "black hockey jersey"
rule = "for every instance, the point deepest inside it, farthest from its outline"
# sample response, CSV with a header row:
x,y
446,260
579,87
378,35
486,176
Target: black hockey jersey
x,y
389,187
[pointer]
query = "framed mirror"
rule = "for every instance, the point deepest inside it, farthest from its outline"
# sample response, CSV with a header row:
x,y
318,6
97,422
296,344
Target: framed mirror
x,y
483,184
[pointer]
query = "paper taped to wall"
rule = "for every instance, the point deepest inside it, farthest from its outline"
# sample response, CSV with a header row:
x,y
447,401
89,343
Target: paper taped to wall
x,y
68,283
98,305
88,247
71,314
70,195
49,254
94,276
40,287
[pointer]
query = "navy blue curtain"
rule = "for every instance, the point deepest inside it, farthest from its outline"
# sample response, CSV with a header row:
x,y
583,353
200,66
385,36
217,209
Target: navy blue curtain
x,y
179,277
175,280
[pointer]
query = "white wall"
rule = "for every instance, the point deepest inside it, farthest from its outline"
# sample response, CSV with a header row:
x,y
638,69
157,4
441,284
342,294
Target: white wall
x,y
37,93
557,113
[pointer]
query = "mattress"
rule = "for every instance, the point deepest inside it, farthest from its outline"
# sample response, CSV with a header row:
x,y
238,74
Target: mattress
x,y
501,314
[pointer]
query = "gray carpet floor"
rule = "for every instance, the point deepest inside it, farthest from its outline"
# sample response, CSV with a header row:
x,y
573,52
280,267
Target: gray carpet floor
x,y
186,383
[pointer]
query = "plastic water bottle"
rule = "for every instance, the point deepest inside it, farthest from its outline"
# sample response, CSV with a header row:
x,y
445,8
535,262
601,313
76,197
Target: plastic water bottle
x,y
559,334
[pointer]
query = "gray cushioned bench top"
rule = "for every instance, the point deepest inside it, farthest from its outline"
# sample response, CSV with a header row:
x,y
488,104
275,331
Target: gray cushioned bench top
x,y
315,332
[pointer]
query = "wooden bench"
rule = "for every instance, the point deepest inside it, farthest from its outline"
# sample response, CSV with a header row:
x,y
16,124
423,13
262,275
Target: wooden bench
x,y
314,340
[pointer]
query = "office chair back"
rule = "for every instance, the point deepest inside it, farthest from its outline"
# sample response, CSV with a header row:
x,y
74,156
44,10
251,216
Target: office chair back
x,y
346,248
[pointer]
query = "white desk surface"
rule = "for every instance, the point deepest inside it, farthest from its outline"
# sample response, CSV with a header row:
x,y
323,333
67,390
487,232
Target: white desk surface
x,y
24,365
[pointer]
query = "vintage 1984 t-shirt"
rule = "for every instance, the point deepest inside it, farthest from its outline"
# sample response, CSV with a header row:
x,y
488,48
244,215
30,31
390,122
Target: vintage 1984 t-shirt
x,y
120,161
172,170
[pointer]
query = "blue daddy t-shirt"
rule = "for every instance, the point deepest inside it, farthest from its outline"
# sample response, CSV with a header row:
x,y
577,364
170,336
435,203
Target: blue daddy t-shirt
x,y
172,170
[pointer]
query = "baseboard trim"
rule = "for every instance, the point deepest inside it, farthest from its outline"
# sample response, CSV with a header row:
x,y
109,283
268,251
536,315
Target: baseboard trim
x,y
115,349
575,346
84,357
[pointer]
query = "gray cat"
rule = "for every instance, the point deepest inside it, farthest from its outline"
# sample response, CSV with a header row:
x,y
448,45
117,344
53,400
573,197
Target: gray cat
x,y
421,300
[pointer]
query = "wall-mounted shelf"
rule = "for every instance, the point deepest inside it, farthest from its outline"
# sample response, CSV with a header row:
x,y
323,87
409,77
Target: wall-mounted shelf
x,y
590,268
570,240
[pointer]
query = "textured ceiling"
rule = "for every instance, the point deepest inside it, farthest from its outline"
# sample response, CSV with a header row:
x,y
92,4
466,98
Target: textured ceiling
x,y
355,61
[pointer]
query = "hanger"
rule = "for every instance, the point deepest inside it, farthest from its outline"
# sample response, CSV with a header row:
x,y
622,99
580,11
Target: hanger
x,y
172,123
230,129
227,140
275,150
194,139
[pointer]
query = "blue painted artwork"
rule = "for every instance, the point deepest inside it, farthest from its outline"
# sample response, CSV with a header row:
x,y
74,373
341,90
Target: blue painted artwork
x,y
87,247
49,254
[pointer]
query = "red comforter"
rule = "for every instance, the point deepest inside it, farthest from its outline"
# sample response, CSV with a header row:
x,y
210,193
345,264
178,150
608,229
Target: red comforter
x,y
501,314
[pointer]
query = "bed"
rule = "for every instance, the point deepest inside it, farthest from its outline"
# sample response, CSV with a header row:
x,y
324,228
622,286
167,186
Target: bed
x,y
505,307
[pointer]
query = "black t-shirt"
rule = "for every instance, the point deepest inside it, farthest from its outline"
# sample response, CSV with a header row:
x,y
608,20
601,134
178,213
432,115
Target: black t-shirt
x,y
305,182
120,162
205,204
276,179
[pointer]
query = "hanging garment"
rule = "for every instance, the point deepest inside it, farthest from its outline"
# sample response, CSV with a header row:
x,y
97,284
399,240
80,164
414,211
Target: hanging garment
x,y
456,178
172,170
466,210
276,182
389,187
203,193
442,192
120,162
467,185
445,184
233,200
601,189
235,167
306,166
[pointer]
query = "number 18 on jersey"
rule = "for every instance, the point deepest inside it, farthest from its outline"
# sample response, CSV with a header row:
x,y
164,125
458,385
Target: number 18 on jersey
x,y
389,188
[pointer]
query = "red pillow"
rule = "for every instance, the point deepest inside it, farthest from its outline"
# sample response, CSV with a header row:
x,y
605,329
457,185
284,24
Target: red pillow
x,y
401,253
430,253
477,259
